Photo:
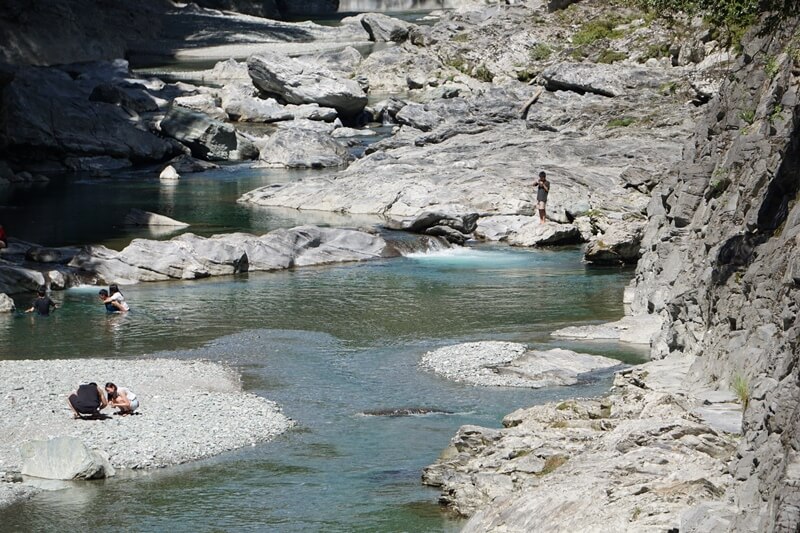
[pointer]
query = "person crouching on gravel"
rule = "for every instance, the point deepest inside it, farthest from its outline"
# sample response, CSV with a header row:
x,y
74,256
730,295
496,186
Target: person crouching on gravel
x,y
122,398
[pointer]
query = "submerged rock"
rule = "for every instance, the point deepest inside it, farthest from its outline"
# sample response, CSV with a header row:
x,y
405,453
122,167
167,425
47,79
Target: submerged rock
x,y
405,411
137,217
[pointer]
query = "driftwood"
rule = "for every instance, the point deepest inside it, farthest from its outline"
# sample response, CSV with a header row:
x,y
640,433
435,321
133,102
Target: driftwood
x,y
530,102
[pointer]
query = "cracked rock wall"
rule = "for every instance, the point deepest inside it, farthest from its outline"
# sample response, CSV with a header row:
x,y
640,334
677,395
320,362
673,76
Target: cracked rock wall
x,y
721,266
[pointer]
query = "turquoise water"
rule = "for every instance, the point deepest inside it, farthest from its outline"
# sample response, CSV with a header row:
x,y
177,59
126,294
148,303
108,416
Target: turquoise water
x,y
326,344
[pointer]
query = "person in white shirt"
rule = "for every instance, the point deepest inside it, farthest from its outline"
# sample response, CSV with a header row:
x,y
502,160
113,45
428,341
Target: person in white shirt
x,y
116,299
122,398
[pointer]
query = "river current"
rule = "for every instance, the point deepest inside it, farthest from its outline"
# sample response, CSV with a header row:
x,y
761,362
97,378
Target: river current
x,y
325,343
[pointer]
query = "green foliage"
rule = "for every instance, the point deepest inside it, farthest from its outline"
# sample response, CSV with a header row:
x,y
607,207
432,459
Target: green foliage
x,y
656,51
579,53
622,122
636,512
668,88
748,115
771,67
595,30
540,52
741,387
458,63
611,56
460,37
733,15
777,114
483,73
717,187
525,75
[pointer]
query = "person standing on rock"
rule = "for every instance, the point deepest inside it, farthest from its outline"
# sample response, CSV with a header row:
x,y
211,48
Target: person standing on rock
x,y
543,187
42,304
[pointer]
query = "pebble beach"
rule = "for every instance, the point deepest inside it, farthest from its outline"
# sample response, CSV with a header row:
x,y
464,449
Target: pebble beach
x,y
189,410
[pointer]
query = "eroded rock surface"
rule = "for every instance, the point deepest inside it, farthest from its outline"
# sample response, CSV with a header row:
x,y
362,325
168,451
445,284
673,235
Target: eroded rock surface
x,y
637,460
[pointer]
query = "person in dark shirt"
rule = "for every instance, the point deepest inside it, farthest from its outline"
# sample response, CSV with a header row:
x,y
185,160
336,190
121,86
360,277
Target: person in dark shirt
x,y
541,196
42,304
88,399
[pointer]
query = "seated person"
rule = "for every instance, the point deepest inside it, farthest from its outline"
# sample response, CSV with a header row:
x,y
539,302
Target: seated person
x,y
87,400
3,238
42,304
122,398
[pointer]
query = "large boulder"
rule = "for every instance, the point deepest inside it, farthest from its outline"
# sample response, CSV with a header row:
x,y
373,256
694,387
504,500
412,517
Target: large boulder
x,y
44,113
382,28
43,32
620,244
302,148
297,83
64,458
191,257
548,234
602,79
206,137
15,279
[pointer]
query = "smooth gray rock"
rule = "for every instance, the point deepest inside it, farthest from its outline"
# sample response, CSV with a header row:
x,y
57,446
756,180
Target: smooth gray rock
x,y
64,458
382,28
205,103
301,148
605,80
169,174
620,244
191,257
207,138
295,83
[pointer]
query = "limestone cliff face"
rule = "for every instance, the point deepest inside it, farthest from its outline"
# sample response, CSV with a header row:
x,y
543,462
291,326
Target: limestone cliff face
x,y
722,268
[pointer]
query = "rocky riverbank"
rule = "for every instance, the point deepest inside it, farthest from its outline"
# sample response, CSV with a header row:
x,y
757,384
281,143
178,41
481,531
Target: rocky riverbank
x,y
189,410
640,459
704,439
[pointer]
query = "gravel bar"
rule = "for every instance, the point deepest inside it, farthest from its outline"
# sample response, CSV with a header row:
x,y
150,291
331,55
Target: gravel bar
x,y
189,410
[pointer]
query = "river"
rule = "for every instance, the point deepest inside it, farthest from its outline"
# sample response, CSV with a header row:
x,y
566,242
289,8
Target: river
x,y
325,343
